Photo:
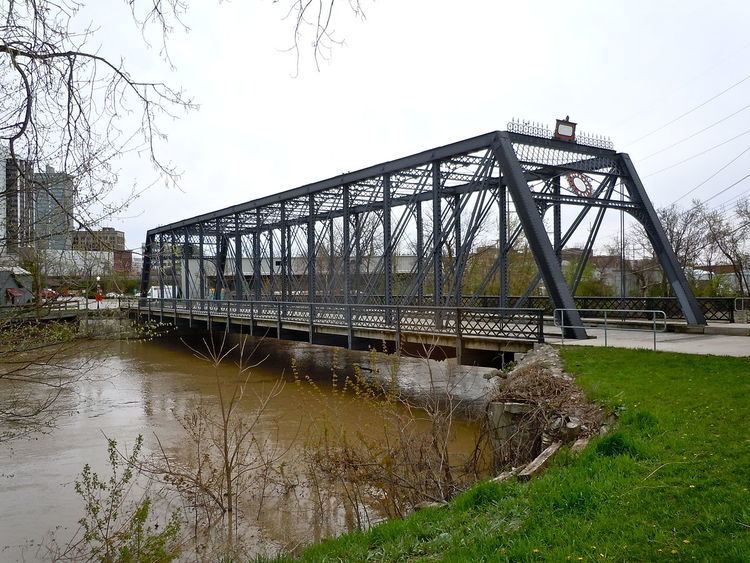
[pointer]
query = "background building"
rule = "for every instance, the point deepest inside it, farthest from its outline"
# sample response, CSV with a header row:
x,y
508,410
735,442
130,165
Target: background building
x,y
36,208
55,200
105,240
18,204
15,286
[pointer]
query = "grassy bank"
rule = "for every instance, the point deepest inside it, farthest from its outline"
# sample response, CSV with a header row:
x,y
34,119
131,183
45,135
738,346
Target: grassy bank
x,y
671,482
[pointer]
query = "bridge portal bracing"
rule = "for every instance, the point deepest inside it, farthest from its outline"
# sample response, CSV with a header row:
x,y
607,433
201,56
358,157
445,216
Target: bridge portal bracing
x,y
440,228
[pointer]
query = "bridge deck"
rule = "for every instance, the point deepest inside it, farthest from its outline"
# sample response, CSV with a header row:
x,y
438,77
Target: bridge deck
x,y
492,329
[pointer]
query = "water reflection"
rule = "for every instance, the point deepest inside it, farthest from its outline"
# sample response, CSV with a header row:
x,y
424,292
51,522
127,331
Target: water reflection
x,y
138,387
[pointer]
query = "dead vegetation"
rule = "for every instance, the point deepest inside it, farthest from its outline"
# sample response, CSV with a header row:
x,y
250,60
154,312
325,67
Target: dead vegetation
x,y
537,404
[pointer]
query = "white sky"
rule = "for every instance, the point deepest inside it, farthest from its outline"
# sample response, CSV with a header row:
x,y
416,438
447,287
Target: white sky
x,y
423,73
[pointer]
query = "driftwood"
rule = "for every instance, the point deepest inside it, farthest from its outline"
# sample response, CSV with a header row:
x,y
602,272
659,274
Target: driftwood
x,y
540,463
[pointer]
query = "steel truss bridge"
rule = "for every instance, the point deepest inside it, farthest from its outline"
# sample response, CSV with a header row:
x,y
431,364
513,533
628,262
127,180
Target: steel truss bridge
x,y
415,244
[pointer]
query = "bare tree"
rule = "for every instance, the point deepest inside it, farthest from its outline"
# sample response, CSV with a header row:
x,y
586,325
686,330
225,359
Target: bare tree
x,y
686,233
730,240
63,103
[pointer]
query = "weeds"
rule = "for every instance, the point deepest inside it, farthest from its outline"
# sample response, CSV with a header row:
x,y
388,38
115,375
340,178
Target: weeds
x,y
114,528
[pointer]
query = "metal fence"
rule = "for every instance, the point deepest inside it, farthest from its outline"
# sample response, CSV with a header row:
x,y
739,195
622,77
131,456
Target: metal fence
x,y
657,319
488,322
714,308
41,311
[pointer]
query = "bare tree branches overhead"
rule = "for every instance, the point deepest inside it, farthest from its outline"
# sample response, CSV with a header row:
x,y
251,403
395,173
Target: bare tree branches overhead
x,y
65,103
68,105
313,23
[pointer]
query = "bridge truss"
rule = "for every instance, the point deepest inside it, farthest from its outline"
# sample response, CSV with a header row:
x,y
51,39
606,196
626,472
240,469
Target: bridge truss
x,y
407,232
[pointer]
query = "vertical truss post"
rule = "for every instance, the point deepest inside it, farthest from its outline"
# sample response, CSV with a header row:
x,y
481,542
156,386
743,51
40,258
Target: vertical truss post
x,y
502,244
311,263
346,254
437,237
283,254
457,265
146,271
331,263
357,254
271,267
173,257
219,263
201,265
387,250
623,289
437,244
420,255
662,248
239,276
536,235
186,254
556,219
161,266
256,258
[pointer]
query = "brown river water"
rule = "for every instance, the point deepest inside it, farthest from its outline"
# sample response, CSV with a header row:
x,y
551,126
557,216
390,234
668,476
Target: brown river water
x,y
135,387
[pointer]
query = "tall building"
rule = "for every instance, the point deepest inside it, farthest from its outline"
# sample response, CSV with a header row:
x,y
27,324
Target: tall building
x,y
55,200
106,239
18,205
36,209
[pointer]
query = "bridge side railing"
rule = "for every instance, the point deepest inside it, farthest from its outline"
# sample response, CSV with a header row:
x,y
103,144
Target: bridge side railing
x,y
36,310
603,317
493,322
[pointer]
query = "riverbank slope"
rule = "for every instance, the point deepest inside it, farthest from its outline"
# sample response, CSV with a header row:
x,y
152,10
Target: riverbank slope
x,y
672,480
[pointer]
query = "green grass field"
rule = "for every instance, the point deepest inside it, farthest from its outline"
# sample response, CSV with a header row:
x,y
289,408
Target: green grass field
x,y
670,482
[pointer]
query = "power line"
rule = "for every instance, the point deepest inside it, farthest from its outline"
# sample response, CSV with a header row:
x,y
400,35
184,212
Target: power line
x,y
697,154
689,82
691,110
715,123
717,194
712,175
731,201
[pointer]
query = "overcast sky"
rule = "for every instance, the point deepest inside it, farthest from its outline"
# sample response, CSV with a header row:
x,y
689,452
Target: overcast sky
x,y
423,73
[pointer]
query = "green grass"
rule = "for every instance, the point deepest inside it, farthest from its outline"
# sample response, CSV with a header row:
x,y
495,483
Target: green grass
x,y
670,482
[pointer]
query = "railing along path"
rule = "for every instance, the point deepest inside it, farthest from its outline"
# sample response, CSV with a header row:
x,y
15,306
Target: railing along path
x,y
487,322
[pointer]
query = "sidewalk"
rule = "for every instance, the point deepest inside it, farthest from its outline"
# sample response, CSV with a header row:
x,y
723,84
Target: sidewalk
x,y
716,344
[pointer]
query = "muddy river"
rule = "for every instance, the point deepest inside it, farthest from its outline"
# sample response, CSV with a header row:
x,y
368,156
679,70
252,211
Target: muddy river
x,y
133,388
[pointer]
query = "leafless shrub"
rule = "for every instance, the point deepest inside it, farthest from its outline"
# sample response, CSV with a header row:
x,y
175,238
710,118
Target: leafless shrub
x,y
223,469
401,458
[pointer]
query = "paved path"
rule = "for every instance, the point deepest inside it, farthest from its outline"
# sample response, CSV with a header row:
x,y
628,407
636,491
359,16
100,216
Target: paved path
x,y
717,344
